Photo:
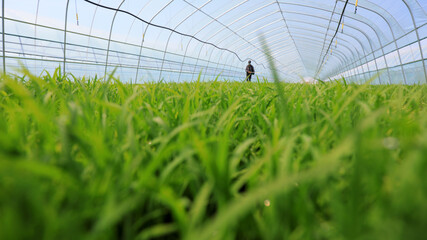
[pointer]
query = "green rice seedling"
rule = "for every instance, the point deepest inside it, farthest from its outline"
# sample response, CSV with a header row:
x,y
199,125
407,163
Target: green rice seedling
x,y
94,158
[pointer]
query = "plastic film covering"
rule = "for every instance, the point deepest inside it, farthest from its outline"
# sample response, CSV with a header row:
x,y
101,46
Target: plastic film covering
x,y
178,40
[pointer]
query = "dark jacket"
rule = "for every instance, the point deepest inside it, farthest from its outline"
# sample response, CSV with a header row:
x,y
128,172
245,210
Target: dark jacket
x,y
250,69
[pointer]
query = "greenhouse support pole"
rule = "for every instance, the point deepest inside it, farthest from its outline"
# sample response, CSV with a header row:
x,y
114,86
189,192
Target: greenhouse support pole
x,y
183,59
4,50
109,38
65,35
197,62
418,38
170,35
397,48
143,38
207,66
225,65
395,42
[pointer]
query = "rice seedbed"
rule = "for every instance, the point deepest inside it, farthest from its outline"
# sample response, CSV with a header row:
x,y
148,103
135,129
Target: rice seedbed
x,y
88,158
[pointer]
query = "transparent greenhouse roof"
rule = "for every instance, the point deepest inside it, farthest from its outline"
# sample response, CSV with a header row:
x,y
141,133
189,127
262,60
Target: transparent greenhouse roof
x,y
175,40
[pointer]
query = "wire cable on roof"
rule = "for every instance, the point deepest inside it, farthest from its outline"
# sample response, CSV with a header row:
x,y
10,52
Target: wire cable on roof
x,y
336,31
170,29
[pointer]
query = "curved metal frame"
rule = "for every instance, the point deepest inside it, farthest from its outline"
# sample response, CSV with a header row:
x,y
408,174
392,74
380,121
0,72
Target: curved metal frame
x,y
348,59
179,24
3,37
215,19
391,30
65,35
418,38
143,37
109,37
359,30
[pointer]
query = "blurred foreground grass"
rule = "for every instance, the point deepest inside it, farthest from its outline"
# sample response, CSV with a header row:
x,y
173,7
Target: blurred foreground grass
x,y
98,159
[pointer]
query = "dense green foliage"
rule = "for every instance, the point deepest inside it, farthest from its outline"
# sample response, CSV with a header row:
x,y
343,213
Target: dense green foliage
x,y
98,159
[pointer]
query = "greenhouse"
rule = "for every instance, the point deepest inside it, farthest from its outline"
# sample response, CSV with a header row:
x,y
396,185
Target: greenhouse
x,y
213,119
175,40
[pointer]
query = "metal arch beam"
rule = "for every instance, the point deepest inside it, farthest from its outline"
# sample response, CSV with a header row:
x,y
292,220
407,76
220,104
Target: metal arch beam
x,y
35,30
276,21
269,31
3,38
109,37
276,29
65,34
224,62
252,32
304,29
320,65
346,34
382,50
234,31
383,54
134,20
290,35
272,30
280,28
312,42
418,38
372,52
326,10
341,40
242,17
202,28
164,27
250,13
90,31
167,43
271,43
391,30
261,28
207,65
381,46
349,17
326,32
216,20
309,15
343,57
258,19
365,56
170,35
358,54
370,43
183,59
416,2
390,16
143,37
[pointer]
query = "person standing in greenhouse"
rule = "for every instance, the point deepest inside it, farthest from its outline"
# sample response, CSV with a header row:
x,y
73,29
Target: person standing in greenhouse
x,y
249,71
